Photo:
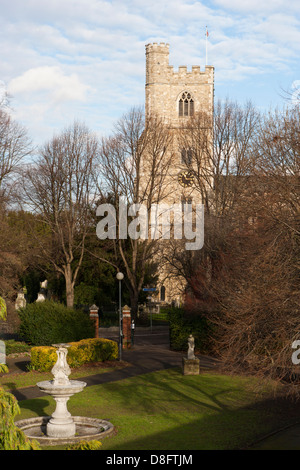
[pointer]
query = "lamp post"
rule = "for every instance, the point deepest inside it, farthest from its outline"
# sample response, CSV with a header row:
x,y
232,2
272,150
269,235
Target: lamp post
x,y
120,277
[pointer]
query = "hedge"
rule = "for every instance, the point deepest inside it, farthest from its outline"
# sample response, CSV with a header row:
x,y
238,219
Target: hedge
x,y
81,352
182,325
46,323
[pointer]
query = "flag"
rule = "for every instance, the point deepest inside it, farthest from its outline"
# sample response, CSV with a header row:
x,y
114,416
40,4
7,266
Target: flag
x,y
207,32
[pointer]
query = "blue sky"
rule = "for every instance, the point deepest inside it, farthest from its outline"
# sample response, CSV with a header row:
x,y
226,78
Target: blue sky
x,y
85,59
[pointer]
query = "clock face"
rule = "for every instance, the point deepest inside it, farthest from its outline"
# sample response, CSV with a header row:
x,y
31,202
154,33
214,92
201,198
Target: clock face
x,y
186,179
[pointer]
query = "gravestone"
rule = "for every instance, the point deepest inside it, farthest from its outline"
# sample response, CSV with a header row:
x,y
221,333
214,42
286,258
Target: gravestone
x,y
191,364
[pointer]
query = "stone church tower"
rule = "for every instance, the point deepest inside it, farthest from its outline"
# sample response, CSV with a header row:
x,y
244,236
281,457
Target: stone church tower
x,y
176,96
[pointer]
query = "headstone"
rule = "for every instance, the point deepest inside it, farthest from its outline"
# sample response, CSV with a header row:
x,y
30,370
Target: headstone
x,y
191,364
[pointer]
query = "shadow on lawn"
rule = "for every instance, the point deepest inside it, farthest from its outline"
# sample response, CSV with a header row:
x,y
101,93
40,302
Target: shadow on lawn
x,y
40,406
248,428
209,416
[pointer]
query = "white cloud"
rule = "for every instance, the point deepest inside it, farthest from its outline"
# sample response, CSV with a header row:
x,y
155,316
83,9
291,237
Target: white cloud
x,y
257,6
86,58
51,80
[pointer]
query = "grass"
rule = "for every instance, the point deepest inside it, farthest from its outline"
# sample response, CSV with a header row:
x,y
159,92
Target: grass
x,y
30,378
165,410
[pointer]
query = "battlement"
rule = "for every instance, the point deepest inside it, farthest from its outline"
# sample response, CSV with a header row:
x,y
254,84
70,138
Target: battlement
x,y
158,47
157,64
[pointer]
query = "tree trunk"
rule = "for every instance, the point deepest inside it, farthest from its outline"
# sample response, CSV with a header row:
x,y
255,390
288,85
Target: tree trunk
x,y
69,286
134,297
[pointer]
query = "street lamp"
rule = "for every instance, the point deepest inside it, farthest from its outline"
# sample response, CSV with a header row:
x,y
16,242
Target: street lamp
x,y
120,277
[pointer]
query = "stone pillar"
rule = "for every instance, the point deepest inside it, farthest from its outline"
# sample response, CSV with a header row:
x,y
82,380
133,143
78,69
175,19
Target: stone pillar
x,y
95,318
126,327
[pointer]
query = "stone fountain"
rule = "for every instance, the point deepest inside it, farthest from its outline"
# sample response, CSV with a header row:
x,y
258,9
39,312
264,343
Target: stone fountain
x,y
61,427
61,423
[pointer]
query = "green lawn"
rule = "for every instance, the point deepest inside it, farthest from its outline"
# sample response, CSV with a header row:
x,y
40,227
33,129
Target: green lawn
x,y
166,410
31,377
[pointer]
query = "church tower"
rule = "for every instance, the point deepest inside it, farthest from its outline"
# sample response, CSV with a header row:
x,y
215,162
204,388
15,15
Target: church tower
x,y
176,96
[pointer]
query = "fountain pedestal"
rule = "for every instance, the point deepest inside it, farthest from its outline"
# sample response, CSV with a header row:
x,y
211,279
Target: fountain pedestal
x,y
61,423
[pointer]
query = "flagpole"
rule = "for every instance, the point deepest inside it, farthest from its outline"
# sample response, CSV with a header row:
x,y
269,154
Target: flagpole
x,y
206,46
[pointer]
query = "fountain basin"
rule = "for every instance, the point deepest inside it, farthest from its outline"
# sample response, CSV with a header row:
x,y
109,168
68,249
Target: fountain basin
x,y
69,389
86,429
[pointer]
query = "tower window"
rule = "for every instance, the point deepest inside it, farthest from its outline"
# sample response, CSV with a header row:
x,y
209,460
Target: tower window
x,y
162,293
186,156
186,105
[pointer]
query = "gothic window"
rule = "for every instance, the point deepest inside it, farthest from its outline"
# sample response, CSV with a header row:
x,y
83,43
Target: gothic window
x,y
186,156
186,105
162,293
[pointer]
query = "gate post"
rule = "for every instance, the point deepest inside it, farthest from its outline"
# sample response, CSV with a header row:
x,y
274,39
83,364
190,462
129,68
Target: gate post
x,y
126,327
95,318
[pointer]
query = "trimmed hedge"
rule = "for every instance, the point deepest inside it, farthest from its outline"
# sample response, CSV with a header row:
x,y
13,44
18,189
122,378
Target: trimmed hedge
x,y
43,358
46,323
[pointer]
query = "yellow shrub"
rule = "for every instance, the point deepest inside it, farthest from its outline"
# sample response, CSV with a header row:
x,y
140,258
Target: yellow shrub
x,y
43,358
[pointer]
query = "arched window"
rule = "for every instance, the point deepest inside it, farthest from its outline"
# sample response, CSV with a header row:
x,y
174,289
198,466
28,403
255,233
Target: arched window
x,y
186,156
186,104
162,293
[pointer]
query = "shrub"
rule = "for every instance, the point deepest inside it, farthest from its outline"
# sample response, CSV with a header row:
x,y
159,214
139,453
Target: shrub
x,y
11,437
85,445
46,323
43,358
13,347
3,369
183,325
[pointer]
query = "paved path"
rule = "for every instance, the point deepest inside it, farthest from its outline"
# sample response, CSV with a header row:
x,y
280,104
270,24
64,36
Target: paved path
x,y
151,352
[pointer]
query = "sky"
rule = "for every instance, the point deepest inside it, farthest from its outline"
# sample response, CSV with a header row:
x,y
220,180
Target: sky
x,y
66,60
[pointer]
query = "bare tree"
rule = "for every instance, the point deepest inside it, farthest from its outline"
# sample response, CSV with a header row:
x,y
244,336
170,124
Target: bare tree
x,y
258,281
219,153
133,165
59,189
14,147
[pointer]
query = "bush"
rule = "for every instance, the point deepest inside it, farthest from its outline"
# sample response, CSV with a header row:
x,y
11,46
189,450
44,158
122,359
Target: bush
x,y
13,347
85,445
43,358
46,323
183,325
11,437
